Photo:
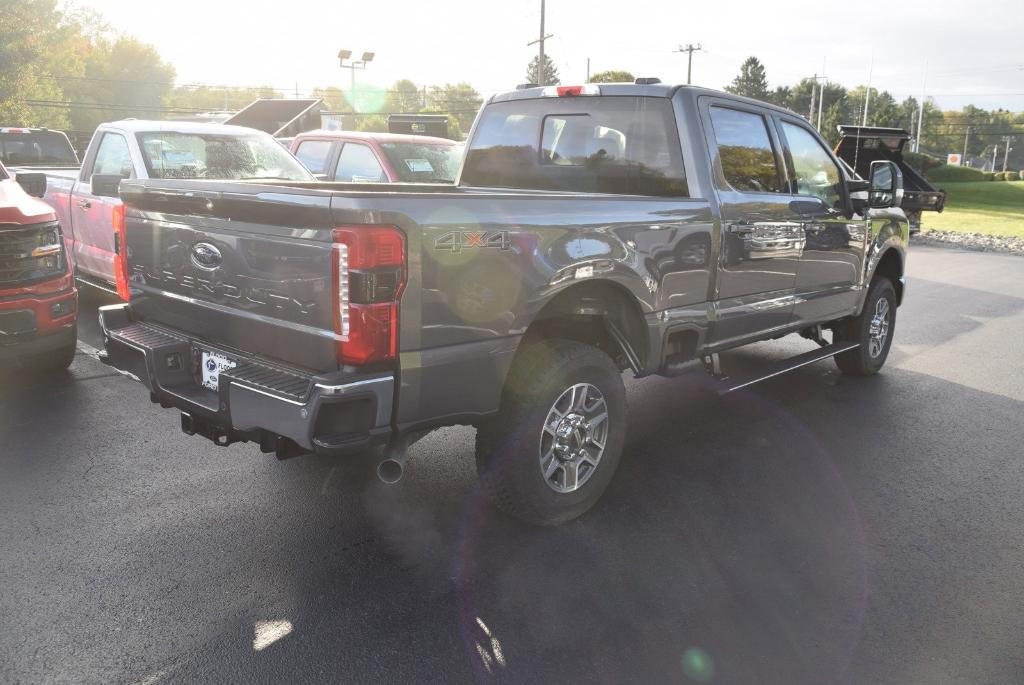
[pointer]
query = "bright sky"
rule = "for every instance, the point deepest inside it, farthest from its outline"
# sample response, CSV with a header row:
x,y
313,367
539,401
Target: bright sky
x,y
972,49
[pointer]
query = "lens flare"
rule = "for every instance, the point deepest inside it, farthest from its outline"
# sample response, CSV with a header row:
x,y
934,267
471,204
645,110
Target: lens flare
x,y
698,665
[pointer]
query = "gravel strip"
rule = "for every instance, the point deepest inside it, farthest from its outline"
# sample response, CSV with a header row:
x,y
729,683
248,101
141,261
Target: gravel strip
x,y
971,241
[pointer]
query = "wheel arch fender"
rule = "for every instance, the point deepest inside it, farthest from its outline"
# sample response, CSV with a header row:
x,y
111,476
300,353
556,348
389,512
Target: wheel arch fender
x,y
598,311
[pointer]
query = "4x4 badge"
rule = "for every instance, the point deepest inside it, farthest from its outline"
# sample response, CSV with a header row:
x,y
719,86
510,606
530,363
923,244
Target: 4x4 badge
x,y
456,241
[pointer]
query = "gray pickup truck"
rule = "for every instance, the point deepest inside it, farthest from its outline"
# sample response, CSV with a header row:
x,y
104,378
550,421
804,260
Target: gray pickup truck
x,y
594,229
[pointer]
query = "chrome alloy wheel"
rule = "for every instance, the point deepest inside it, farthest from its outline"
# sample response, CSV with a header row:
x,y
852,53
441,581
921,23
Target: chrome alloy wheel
x,y
878,329
574,437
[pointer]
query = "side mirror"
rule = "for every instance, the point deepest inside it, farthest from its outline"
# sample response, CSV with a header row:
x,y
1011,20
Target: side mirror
x,y
106,185
33,183
886,181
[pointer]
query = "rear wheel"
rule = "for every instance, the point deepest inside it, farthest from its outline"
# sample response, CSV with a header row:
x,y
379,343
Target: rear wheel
x,y
873,329
552,450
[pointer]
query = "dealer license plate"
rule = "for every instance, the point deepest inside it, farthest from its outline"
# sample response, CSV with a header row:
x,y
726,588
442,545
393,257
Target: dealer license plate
x,y
212,365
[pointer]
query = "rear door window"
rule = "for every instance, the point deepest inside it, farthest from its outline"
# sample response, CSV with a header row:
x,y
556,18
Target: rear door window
x,y
314,154
112,157
749,161
358,164
615,145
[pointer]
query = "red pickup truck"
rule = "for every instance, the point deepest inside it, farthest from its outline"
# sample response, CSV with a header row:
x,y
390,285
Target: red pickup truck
x,y
38,299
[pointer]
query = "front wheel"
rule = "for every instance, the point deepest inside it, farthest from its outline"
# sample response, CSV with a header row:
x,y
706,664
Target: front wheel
x,y
873,329
552,450
55,361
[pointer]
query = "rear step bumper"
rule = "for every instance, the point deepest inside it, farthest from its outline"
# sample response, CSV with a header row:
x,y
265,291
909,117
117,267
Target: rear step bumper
x,y
287,412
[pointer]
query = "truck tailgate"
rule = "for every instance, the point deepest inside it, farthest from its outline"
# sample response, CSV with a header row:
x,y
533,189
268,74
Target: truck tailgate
x,y
235,271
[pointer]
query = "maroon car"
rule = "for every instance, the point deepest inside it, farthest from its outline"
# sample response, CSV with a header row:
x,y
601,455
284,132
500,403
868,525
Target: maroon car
x,y
358,157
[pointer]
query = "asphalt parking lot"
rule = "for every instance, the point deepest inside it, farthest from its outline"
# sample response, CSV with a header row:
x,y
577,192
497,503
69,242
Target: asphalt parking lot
x,y
814,529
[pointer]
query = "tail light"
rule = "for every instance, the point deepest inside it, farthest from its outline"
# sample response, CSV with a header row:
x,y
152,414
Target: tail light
x,y
120,254
369,275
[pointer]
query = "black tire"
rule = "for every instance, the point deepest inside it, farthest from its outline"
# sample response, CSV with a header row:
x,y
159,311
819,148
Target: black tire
x,y
508,448
54,361
867,359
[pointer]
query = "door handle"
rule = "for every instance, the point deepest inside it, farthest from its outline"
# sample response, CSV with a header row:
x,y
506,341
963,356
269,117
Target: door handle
x,y
84,204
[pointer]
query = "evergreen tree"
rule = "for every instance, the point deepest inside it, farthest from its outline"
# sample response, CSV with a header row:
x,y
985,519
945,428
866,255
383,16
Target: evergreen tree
x,y
751,81
549,77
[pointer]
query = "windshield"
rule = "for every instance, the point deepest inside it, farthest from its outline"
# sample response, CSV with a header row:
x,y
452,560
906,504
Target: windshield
x,y
36,147
220,156
423,162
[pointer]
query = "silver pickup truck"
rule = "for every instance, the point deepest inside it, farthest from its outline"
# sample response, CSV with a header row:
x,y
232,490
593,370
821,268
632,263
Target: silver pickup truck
x,y
593,229
86,198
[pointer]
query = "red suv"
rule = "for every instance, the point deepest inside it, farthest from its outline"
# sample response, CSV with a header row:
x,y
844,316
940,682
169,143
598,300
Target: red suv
x,y
38,299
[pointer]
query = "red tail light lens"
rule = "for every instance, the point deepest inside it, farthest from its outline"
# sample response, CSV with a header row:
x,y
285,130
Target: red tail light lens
x,y
120,253
369,273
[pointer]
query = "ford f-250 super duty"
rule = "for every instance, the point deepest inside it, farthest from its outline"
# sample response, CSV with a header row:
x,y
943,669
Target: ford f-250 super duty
x,y
593,229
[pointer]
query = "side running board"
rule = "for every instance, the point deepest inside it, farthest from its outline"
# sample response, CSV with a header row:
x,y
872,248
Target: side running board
x,y
727,385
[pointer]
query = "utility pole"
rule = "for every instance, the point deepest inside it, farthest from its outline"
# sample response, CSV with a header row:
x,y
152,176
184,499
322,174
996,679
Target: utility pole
x,y
967,136
867,96
588,70
920,112
821,98
542,71
814,94
690,48
1006,151
817,100
821,103
995,150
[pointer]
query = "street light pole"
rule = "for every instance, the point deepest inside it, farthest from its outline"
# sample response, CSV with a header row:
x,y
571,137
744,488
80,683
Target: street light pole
x,y
344,55
1006,151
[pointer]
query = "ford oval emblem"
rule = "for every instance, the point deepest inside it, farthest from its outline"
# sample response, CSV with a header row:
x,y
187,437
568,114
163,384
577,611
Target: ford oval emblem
x,y
206,256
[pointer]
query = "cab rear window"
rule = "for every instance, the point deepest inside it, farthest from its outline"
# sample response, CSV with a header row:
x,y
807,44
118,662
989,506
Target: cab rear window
x,y
36,147
615,145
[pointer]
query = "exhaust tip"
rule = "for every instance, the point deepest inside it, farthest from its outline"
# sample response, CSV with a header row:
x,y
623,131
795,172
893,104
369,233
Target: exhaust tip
x,y
390,471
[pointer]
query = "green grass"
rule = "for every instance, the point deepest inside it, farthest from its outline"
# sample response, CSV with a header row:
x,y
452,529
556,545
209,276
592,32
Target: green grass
x,y
989,207
953,174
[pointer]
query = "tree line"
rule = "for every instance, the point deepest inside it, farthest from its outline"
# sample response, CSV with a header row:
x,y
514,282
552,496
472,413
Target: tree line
x,y
68,69
943,132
